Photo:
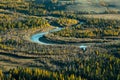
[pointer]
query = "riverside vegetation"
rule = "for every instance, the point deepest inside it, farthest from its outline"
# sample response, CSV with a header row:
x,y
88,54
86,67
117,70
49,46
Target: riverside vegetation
x,y
22,59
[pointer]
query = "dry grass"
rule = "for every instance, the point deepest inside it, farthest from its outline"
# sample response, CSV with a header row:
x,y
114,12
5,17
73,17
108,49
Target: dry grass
x,y
104,16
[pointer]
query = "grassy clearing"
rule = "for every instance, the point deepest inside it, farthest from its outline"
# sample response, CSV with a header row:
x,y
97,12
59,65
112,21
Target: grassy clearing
x,y
104,16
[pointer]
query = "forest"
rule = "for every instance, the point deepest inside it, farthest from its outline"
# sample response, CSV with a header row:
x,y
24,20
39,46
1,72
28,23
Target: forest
x,y
57,52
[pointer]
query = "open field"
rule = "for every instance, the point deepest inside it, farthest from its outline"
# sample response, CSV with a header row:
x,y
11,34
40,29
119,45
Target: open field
x,y
104,16
96,6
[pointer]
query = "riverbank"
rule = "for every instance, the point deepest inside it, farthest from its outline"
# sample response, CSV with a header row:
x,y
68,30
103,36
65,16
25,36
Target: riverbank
x,y
59,39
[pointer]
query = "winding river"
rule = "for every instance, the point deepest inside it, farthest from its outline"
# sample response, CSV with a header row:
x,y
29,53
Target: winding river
x,y
37,38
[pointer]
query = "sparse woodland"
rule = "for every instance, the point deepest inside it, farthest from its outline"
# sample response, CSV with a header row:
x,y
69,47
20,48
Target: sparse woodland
x,y
22,59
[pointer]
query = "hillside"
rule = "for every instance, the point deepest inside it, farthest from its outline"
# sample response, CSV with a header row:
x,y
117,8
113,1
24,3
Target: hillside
x,y
95,5
90,6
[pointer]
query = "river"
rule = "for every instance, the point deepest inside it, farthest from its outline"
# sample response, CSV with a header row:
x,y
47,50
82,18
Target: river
x,y
36,38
